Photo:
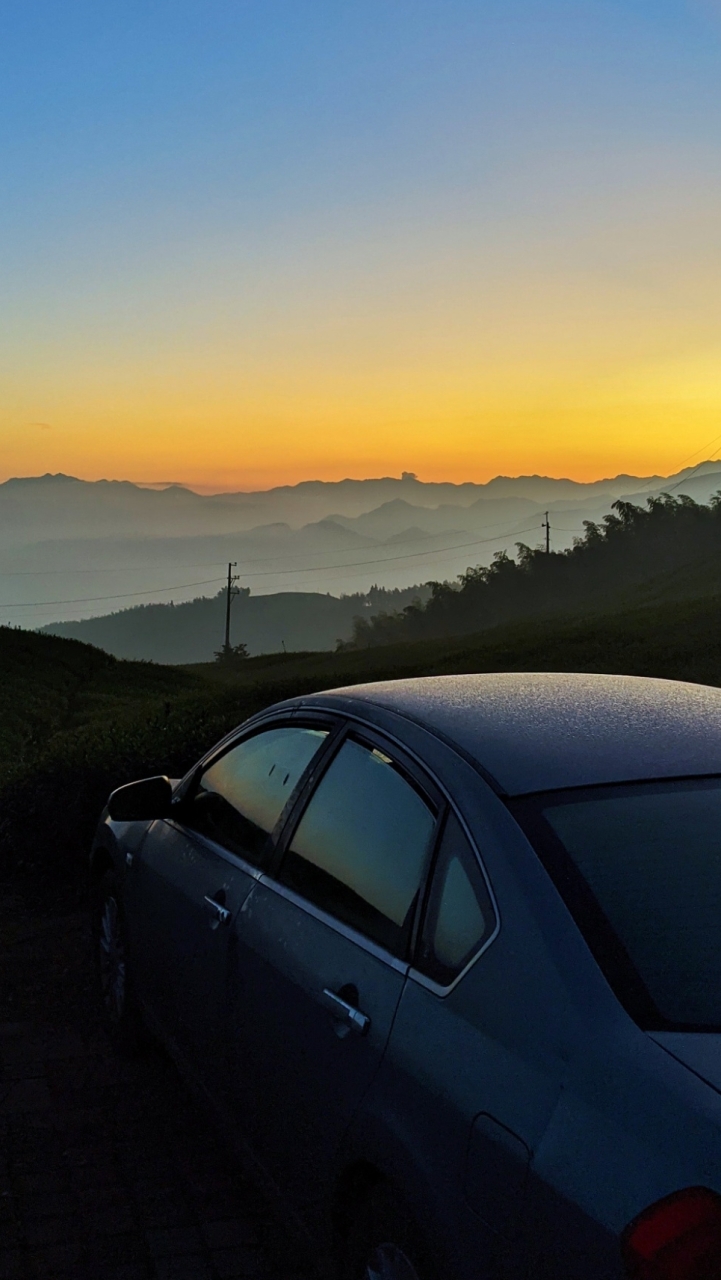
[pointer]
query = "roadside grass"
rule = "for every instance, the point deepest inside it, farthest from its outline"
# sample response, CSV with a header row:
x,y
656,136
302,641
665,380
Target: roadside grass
x,y
675,641
76,723
49,686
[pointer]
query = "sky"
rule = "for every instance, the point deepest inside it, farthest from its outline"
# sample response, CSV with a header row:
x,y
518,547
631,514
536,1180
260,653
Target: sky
x,y
249,243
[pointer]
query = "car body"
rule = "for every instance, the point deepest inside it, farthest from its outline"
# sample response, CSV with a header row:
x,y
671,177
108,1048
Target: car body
x,y
395,985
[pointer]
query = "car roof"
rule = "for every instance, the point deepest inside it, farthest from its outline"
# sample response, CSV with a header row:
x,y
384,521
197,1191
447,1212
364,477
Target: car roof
x,y
542,731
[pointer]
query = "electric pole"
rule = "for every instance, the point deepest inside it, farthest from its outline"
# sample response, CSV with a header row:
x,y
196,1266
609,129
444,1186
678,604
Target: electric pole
x,y
545,525
231,591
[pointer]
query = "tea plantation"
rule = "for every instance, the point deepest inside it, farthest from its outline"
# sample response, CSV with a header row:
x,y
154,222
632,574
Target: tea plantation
x,y
74,722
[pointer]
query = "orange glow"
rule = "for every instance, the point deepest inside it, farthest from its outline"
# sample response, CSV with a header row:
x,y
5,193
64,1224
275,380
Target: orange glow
x,y
547,375
643,422
249,245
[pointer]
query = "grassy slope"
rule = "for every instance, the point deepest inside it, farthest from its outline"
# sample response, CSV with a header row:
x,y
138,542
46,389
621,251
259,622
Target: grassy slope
x,y
50,686
86,723
675,640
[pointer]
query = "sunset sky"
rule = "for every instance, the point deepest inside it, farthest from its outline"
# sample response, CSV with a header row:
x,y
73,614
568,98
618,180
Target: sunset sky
x,y
253,242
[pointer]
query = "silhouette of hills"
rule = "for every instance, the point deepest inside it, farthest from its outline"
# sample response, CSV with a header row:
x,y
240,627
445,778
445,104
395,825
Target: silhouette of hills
x,y
73,549
193,631
667,550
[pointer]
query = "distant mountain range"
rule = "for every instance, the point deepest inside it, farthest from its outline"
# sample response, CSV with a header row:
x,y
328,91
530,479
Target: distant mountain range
x,y
34,509
73,549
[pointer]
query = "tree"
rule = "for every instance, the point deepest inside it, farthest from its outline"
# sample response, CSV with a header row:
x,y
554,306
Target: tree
x,y
232,654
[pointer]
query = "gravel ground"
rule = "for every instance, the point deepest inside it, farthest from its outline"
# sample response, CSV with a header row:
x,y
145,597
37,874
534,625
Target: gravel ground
x,y
108,1166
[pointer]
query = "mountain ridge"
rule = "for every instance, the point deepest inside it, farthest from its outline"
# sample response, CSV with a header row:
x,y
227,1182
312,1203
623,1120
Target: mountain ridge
x,y
71,547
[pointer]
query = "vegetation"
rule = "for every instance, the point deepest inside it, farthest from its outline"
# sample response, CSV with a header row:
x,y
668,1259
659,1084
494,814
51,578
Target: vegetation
x,y
229,655
76,723
51,687
294,620
614,564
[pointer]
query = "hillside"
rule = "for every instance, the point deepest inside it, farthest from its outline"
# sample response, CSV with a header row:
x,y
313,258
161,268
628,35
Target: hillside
x,y
193,631
73,549
77,723
51,686
672,640
665,551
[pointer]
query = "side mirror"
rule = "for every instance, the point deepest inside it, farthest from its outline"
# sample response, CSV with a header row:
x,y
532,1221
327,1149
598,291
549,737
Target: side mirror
x,y
140,801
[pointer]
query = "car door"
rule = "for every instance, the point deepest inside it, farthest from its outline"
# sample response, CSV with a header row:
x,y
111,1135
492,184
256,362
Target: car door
x,y
194,873
321,957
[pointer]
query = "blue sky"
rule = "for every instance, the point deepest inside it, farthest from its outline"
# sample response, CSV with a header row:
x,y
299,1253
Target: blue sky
x,y
225,193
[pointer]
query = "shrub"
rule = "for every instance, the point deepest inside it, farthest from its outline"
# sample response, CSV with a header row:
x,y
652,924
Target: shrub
x,y
50,806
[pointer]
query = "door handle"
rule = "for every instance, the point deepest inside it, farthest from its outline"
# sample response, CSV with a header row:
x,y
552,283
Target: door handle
x,y
219,913
346,1013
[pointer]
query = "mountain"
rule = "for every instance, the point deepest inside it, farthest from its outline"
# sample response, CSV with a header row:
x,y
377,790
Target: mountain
x,y
194,631
34,509
73,549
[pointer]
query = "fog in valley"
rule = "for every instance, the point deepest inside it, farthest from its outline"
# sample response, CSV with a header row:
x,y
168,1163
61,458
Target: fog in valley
x,y
73,550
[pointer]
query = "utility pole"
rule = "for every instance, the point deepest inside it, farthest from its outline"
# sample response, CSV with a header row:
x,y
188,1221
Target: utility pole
x,y
231,591
545,525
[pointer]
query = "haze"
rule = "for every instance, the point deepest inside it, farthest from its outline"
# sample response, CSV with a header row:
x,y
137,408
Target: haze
x,y
73,549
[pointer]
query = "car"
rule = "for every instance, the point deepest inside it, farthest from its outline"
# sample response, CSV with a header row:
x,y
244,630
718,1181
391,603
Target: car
x,y
444,955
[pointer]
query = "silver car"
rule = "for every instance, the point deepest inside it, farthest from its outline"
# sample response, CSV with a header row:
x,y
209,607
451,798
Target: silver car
x,y
444,955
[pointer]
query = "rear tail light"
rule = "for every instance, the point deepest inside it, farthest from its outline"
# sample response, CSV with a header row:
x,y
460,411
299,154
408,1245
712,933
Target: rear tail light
x,y
678,1238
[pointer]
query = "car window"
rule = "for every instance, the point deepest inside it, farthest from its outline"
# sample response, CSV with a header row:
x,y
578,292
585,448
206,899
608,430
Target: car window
x,y
360,849
639,867
240,797
460,916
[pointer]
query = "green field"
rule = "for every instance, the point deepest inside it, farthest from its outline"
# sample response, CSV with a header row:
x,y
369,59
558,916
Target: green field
x,y
75,722
50,686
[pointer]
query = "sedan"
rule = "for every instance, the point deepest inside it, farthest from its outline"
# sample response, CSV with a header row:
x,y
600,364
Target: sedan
x,y
444,956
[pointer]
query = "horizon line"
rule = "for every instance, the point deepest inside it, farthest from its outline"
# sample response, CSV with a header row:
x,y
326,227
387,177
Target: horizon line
x,y
407,478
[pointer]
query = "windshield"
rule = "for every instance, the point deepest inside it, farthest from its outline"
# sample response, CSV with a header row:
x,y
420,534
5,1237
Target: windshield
x,y
640,869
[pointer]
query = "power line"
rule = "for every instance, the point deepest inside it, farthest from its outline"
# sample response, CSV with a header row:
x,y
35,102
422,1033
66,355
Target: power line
x,y
212,564
408,555
16,573
351,564
689,456
690,474
693,471
273,573
334,579
49,573
41,604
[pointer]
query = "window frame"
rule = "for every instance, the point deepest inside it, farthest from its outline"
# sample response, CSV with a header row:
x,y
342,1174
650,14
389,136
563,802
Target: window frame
x,y
416,973
432,887
417,777
286,719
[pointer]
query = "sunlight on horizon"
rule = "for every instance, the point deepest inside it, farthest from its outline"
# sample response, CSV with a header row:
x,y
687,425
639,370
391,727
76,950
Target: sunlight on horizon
x,y
249,248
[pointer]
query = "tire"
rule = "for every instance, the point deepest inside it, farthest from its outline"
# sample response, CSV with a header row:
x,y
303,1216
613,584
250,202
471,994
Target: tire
x,y
384,1242
120,1012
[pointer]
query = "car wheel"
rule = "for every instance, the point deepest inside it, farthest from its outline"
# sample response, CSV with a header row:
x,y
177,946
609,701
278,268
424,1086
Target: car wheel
x,y
120,1012
384,1243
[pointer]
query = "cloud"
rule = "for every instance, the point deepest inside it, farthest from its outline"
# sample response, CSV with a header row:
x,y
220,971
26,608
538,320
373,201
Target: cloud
x,y
44,426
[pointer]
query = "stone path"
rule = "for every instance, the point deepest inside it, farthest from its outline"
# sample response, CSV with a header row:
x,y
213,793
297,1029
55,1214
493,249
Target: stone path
x,y
108,1167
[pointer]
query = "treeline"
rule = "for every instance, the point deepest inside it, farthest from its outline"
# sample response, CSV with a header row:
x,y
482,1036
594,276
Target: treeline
x,y
76,723
294,621
631,548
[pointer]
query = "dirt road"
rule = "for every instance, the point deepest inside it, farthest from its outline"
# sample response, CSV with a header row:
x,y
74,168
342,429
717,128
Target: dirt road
x,y
108,1167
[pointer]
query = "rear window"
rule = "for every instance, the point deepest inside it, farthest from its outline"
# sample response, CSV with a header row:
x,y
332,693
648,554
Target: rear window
x,y
640,869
